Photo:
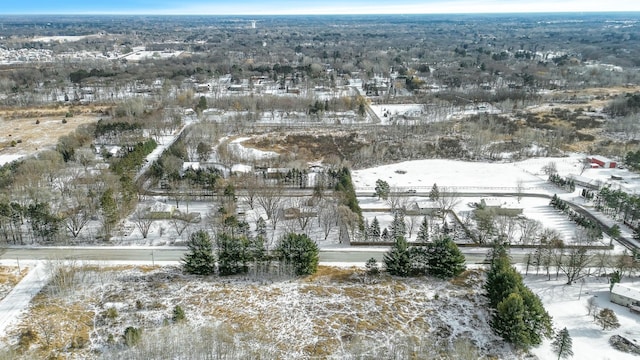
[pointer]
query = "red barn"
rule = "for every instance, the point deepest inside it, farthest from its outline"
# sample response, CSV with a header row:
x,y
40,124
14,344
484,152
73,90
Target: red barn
x,y
603,162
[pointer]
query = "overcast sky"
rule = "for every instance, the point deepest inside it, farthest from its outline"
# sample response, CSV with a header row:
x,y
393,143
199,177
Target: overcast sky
x,y
286,7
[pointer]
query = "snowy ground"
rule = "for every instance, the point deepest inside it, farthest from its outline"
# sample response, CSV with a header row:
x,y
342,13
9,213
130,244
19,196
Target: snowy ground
x,y
7,158
461,176
19,298
567,306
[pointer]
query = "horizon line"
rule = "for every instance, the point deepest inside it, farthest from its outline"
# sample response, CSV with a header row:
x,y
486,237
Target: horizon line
x,y
321,14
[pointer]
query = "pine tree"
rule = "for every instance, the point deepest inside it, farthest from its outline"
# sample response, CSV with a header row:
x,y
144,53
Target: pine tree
x,y
538,321
509,321
372,267
434,195
199,259
382,189
385,237
110,215
374,230
396,260
502,279
230,254
300,252
423,232
562,344
445,259
398,226
261,228
419,257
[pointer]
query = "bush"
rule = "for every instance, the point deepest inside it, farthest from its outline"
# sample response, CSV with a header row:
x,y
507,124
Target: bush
x,y
64,121
178,314
112,313
68,114
27,337
132,336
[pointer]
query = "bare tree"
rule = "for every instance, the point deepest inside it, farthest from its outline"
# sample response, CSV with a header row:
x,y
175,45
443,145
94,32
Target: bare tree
x,y
519,189
411,221
250,186
181,221
348,220
270,199
447,200
574,265
529,229
327,217
143,221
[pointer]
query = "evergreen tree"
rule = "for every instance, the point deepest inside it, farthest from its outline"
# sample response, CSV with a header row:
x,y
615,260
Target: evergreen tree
x,y
562,344
614,279
398,225
385,237
423,232
372,267
231,255
300,252
419,257
445,259
434,195
607,319
510,321
382,189
502,279
199,259
374,230
178,314
538,321
261,228
110,215
396,260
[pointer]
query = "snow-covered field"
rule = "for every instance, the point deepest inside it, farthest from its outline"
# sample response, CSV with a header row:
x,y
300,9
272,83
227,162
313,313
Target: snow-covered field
x,y
7,158
568,307
464,176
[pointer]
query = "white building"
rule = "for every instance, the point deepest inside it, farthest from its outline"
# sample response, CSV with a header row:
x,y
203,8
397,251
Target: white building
x,y
624,295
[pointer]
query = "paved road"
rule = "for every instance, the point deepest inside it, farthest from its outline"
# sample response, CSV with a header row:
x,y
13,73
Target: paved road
x,y
148,254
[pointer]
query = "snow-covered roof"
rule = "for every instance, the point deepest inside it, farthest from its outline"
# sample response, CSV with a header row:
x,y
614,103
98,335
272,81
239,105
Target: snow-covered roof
x,y
159,207
193,165
601,158
626,291
241,168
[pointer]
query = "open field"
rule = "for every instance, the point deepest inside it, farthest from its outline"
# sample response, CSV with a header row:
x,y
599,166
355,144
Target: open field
x,y
9,277
332,314
40,128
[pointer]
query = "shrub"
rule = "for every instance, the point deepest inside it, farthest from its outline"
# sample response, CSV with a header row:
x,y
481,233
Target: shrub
x,y
27,337
178,314
64,121
132,336
112,313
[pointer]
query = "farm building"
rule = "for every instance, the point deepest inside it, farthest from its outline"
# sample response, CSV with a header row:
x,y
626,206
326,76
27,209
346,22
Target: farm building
x,y
624,295
603,162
